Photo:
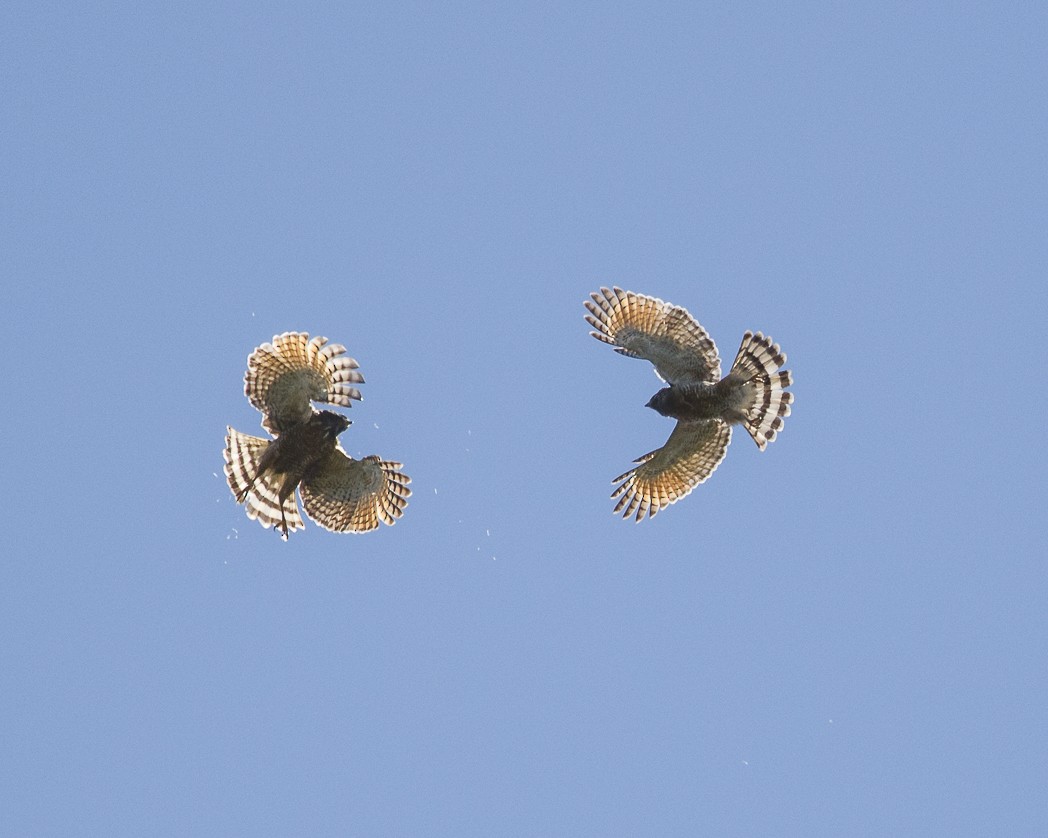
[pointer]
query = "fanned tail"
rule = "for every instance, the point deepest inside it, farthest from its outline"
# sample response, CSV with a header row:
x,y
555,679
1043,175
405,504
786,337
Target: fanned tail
x,y
759,364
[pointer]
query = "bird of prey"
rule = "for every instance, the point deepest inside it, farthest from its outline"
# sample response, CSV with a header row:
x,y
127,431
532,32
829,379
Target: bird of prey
x,y
705,405
338,492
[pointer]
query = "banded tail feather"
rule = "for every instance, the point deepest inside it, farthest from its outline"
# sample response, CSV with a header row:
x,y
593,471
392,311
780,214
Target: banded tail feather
x,y
759,364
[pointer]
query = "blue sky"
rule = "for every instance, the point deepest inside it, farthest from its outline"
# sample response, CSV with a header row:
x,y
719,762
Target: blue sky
x,y
843,635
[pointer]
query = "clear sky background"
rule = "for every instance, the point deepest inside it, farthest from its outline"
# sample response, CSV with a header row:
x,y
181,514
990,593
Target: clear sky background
x,y
843,635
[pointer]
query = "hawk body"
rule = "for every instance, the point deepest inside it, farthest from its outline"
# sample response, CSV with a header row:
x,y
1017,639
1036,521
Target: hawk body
x,y
726,400
753,394
338,492
296,452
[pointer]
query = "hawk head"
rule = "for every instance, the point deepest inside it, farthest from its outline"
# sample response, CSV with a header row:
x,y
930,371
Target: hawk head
x,y
332,423
662,401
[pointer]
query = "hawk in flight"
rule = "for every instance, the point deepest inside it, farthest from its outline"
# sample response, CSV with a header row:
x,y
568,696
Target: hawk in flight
x,y
705,405
339,493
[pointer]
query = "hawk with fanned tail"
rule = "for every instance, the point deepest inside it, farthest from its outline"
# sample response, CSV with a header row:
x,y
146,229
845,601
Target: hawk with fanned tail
x,y
705,405
339,493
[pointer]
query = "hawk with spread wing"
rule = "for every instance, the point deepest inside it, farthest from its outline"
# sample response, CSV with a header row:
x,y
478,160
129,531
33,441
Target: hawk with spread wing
x,y
339,493
705,405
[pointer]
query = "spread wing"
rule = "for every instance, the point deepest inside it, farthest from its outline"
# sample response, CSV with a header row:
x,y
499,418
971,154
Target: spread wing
x,y
690,456
347,495
645,327
260,493
284,376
